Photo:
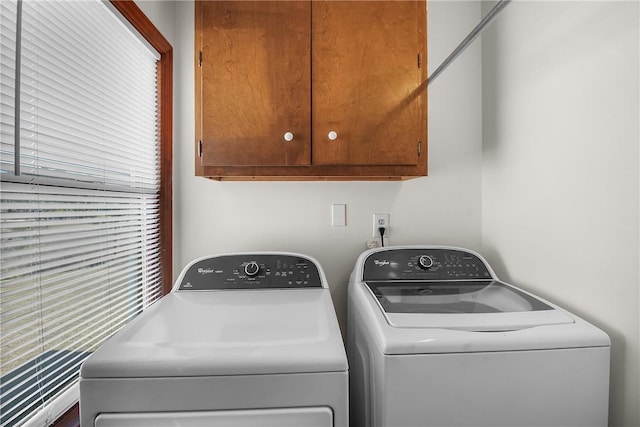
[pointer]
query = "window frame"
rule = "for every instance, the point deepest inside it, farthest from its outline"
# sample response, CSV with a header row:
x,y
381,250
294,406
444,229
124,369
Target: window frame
x,y
132,13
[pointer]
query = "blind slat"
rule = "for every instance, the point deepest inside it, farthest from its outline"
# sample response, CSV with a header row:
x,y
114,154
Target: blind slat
x,y
119,300
91,296
77,83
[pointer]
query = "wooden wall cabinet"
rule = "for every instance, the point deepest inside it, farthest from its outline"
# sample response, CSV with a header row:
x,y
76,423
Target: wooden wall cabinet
x,y
311,89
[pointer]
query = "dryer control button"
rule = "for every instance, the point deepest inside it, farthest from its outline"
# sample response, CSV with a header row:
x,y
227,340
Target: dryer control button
x,y
252,269
425,261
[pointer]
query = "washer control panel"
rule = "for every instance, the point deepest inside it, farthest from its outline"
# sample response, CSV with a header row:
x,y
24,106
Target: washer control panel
x,y
424,264
251,271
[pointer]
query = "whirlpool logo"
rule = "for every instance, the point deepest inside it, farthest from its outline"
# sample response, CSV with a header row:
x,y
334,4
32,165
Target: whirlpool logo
x,y
204,271
381,262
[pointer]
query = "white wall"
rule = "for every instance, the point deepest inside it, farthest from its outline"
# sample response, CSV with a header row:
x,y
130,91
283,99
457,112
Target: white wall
x,y
560,187
215,217
551,196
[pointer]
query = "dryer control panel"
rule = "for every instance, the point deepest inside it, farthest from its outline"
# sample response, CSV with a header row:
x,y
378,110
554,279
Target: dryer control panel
x,y
251,271
424,264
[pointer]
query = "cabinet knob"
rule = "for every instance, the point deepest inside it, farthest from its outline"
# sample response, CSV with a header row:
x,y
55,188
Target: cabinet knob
x,y
333,135
288,136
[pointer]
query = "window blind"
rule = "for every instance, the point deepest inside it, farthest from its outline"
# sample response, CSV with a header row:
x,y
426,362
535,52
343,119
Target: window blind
x,y
79,204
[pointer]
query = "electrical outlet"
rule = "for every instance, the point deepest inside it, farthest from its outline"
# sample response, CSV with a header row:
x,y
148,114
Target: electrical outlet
x,y
380,220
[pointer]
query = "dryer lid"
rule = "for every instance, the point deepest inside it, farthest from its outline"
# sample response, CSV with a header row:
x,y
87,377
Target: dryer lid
x,y
226,333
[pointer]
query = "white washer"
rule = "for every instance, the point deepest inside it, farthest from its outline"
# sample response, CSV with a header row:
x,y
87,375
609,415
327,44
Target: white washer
x,y
242,340
435,339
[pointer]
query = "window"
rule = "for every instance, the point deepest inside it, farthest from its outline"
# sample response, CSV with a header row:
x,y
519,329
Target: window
x,y
85,190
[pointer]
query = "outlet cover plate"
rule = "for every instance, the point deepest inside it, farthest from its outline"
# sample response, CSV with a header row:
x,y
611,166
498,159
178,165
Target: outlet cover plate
x,y
381,220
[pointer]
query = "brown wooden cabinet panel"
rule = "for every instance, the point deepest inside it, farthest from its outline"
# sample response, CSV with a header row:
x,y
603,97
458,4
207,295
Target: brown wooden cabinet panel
x,y
254,82
367,82
357,68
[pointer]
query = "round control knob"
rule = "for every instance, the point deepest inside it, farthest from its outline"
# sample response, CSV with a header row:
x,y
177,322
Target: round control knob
x,y
333,135
425,262
252,269
288,136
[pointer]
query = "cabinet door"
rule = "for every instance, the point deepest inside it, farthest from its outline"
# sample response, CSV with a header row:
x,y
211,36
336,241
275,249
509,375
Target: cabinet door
x,y
368,82
253,82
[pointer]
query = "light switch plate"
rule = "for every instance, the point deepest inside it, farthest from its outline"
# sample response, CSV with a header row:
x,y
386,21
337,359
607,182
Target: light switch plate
x,y
339,215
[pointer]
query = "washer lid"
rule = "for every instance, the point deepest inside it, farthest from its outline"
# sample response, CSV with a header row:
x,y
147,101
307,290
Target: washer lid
x,y
226,333
472,305
461,332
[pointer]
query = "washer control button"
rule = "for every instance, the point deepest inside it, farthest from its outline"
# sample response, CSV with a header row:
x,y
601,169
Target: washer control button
x,y
251,269
425,262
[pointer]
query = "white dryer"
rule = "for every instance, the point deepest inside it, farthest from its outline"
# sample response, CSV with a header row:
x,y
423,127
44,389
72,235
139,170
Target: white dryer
x,y
242,340
436,339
